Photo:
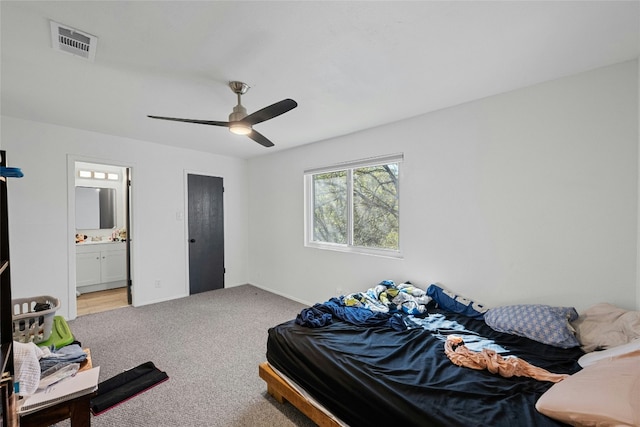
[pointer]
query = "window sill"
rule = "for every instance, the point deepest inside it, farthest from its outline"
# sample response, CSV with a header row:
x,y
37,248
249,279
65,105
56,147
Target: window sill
x,y
384,253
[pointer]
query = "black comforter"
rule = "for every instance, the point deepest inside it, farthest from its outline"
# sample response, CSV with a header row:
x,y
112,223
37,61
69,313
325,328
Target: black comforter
x,y
376,375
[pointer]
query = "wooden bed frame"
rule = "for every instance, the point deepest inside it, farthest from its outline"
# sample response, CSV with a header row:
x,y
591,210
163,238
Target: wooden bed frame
x,y
281,391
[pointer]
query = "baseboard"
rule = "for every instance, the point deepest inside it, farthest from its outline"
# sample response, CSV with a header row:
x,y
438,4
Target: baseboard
x,y
264,288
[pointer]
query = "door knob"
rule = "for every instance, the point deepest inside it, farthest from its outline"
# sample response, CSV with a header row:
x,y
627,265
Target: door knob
x,y
192,240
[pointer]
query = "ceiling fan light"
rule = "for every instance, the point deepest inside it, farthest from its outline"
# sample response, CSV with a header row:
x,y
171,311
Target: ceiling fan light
x,y
240,129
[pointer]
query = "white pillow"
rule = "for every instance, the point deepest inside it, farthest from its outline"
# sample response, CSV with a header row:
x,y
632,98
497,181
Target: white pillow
x,y
604,326
594,356
604,394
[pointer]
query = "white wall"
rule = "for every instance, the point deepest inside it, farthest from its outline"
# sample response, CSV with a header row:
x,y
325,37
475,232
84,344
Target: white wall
x,y
529,196
42,243
525,197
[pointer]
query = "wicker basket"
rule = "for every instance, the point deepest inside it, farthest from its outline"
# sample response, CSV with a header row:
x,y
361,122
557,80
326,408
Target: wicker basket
x,y
30,325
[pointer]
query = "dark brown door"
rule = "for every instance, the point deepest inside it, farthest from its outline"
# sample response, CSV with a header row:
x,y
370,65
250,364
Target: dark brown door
x,y
206,233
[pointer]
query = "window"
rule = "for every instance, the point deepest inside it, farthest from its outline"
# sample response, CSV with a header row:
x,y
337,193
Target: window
x,y
355,206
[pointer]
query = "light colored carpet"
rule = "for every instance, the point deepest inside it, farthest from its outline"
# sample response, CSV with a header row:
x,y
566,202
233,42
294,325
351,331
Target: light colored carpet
x,y
210,345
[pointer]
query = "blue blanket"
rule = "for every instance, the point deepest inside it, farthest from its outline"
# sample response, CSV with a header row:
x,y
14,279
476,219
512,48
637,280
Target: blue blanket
x,y
322,314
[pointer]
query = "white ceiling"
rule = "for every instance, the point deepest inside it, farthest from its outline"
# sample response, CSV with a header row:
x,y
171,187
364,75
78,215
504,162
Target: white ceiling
x,y
350,65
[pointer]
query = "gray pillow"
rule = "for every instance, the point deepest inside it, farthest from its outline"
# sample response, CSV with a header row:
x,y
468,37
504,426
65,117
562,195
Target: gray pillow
x,y
542,323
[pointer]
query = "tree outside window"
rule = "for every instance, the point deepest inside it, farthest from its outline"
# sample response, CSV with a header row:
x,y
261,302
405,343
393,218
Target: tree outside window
x,y
330,207
355,207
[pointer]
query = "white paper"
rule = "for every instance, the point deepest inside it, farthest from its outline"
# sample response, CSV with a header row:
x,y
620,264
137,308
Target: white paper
x,y
80,384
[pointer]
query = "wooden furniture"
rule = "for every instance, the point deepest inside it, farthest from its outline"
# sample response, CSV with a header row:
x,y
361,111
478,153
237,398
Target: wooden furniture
x,y
281,391
6,322
77,410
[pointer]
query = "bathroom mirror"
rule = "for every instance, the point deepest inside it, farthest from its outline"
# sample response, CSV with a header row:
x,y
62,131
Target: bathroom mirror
x,y
95,208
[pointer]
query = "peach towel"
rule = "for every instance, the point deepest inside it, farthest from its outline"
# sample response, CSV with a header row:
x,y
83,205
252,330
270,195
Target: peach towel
x,y
459,354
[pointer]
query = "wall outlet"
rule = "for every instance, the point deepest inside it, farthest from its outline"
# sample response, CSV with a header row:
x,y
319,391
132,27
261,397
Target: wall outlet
x,y
158,284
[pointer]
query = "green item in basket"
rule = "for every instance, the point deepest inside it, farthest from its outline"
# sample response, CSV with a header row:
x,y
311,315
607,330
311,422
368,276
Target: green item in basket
x,y
60,334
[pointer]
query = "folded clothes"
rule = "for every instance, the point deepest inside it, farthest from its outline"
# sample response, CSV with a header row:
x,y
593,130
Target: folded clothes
x,y
72,353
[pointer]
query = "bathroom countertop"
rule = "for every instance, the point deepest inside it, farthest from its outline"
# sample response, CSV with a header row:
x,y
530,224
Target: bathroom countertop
x,y
98,242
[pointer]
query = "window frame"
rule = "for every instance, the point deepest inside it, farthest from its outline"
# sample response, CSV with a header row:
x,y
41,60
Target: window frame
x,y
349,167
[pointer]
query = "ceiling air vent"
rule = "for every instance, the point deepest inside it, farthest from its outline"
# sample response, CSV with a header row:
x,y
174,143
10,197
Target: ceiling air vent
x,y
75,42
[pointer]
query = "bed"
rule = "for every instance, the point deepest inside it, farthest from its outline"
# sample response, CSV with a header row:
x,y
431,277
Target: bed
x,y
375,372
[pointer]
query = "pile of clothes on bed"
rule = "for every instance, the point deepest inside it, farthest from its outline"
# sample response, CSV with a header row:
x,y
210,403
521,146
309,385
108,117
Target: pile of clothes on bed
x,y
581,369
384,304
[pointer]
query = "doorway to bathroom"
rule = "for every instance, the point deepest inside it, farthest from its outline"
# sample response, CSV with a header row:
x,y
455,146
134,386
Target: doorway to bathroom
x,y
102,224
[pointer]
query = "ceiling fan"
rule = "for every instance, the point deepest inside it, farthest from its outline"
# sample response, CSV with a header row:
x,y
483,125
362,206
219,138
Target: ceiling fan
x,y
239,122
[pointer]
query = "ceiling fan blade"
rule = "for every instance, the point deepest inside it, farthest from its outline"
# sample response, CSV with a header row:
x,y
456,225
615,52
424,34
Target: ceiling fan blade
x,y
260,138
273,110
202,122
